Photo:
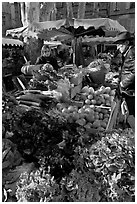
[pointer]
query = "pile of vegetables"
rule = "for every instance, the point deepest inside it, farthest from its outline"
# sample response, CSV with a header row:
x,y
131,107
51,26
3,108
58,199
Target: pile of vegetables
x,y
63,163
95,108
45,78
49,157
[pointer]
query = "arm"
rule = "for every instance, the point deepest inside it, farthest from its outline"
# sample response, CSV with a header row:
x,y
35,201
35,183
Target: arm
x,y
55,64
39,61
129,81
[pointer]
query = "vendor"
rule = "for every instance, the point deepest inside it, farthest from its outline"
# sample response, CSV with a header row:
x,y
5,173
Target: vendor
x,y
127,48
47,58
125,44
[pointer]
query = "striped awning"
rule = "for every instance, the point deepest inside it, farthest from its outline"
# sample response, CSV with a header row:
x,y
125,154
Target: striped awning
x,y
13,42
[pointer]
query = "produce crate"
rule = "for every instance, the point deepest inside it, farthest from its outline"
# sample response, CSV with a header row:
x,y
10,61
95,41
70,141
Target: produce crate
x,y
112,119
113,116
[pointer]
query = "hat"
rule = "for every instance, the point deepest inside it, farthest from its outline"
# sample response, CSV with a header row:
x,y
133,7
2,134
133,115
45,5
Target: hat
x,y
122,37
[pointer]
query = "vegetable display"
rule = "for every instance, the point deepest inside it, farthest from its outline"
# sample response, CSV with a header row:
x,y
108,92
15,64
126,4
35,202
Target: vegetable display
x,y
56,149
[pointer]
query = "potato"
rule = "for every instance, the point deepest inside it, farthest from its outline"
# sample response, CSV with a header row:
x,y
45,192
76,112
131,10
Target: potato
x,y
100,129
92,107
106,120
87,101
101,116
103,124
96,116
85,89
89,110
71,108
90,97
99,102
106,115
86,106
90,118
96,124
93,102
107,90
91,90
81,110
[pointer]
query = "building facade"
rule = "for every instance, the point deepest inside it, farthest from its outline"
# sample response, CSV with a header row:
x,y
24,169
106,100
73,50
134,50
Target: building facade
x,y
124,12
92,10
11,16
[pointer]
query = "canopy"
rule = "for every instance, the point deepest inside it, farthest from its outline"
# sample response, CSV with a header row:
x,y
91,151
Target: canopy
x,y
70,28
20,32
13,42
98,39
52,43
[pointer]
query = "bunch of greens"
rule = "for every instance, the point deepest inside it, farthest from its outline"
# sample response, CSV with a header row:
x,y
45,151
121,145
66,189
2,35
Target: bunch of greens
x,y
36,186
111,161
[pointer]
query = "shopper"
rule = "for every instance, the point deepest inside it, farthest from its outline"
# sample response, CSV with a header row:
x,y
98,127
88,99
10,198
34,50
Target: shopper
x,y
47,58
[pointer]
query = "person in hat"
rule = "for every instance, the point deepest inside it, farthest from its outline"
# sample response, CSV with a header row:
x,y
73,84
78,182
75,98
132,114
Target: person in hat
x,y
126,46
47,58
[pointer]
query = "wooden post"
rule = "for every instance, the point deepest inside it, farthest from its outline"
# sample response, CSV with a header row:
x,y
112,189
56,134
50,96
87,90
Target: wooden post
x,y
74,50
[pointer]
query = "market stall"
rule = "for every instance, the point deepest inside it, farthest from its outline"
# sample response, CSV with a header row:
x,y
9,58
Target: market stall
x,y
61,141
68,29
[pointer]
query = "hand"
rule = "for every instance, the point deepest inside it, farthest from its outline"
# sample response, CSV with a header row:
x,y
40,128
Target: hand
x,y
28,63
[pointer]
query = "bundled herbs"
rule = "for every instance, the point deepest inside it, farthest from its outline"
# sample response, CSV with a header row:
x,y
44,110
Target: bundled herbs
x,y
45,78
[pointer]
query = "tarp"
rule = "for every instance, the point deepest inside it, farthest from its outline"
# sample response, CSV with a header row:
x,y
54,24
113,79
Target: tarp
x,y
13,42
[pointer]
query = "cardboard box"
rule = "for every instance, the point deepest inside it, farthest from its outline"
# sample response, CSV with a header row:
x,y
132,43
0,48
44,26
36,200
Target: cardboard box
x,y
75,90
77,78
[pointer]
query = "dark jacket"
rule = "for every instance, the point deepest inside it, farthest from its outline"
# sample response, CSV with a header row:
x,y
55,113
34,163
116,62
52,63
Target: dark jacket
x,y
50,60
129,82
129,60
128,69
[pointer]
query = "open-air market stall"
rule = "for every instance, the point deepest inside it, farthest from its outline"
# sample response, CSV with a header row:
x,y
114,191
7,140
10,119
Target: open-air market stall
x,y
61,141
70,29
